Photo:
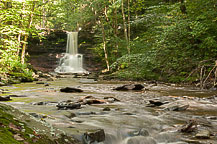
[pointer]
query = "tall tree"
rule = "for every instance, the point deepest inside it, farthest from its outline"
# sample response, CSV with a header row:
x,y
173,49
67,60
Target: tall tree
x,y
125,26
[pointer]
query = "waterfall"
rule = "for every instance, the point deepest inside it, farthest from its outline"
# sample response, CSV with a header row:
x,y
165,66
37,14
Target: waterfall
x,y
71,62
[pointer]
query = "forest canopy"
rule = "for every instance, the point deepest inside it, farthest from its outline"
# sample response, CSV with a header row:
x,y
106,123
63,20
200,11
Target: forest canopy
x,y
167,40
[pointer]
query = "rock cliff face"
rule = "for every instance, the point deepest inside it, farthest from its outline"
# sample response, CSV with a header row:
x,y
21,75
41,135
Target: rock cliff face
x,y
45,54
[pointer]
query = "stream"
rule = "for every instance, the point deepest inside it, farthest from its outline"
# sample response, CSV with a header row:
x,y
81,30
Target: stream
x,y
128,121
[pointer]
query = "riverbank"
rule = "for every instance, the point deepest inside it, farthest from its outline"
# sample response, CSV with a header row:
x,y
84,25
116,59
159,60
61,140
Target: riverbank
x,y
19,128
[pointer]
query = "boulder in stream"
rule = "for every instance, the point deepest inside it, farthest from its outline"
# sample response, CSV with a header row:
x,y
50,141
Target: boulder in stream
x,y
44,103
94,136
111,99
154,103
7,98
90,100
70,90
84,98
190,126
93,101
106,109
129,87
141,132
17,95
177,107
66,105
203,134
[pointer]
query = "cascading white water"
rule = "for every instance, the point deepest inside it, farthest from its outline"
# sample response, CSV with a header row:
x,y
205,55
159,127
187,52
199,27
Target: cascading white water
x,y
71,62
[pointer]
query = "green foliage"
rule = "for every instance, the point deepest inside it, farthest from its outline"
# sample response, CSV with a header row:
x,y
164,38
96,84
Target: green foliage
x,y
166,43
15,25
136,67
172,43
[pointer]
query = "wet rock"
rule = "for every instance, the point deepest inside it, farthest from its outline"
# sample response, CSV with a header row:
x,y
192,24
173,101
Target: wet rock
x,y
141,132
85,97
212,99
93,101
189,127
154,103
86,113
70,90
46,84
95,136
93,76
39,116
60,76
40,82
203,134
7,98
39,103
17,95
44,103
65,106
111,99
4,91
190,141
212,117
77,121
139,140
177,107
90,100
106,109
129,87
71,115
2,84
128,113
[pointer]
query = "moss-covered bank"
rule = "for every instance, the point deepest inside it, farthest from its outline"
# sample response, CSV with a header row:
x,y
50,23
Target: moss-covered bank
x,y
14,130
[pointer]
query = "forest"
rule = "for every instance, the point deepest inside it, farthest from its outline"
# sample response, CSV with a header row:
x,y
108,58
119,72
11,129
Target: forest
x,y
108,71
164,40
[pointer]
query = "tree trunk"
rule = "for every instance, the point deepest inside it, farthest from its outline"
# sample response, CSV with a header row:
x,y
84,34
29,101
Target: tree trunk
x,y
19,40
21,26
183,7
128,22
44,14
125,26
104,45
115,25
27,35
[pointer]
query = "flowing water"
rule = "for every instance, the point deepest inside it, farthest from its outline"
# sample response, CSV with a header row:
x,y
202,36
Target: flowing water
x,y
71,62
129,121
